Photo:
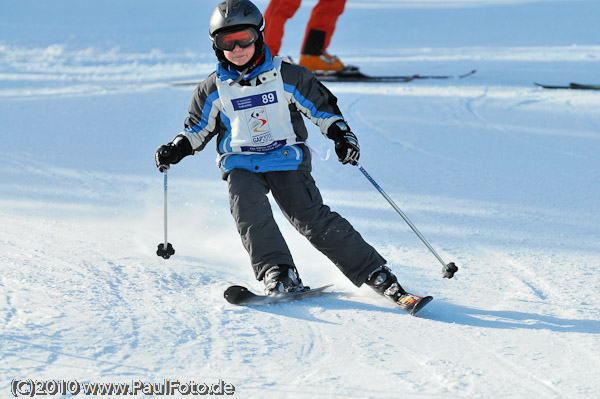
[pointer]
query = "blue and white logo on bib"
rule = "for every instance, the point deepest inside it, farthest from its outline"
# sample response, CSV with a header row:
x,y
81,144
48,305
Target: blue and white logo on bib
x,y
258,125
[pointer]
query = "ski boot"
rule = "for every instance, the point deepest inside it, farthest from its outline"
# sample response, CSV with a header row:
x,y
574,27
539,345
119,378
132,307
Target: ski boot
x,y
323,62
383,281
280,279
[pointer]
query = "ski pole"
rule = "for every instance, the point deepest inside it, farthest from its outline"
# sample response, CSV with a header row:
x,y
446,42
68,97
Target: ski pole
x,y
449,268
164,248
165,210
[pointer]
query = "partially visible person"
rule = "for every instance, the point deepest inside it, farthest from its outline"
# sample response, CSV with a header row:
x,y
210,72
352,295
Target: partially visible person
x,y
320,28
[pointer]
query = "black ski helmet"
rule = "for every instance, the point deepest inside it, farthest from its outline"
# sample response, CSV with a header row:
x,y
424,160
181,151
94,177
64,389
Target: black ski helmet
x,y
231,15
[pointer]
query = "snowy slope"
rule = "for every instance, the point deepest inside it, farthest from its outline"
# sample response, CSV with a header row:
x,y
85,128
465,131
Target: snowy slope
x,y
502,177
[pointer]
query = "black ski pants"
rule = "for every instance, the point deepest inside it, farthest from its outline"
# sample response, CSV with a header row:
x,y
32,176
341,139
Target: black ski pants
x,y
300,201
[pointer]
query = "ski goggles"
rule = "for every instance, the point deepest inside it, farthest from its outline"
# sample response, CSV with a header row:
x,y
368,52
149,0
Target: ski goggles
x,y
227,41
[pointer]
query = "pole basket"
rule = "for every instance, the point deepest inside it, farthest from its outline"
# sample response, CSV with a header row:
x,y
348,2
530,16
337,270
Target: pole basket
x,y
449,270
165,252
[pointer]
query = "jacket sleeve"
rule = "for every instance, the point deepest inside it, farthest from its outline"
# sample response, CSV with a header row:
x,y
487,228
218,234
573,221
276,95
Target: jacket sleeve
x,y
310,96
203,121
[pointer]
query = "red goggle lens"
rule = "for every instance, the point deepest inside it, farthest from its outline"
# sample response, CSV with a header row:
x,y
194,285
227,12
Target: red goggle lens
x,y
227,41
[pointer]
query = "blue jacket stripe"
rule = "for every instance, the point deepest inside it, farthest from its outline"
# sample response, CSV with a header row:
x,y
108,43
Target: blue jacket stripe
x,y
206,110
304,102
225,144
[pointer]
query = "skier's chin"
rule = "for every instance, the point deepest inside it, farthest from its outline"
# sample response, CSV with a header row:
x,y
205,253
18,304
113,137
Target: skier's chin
x,y
240,61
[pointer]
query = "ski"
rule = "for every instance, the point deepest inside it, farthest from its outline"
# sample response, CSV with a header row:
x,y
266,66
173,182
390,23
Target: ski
x,y
413,303
185,83
571,86
239,295
354,75
584,87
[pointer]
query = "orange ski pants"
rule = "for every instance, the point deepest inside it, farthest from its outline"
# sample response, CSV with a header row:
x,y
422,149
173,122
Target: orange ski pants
x,y
321,24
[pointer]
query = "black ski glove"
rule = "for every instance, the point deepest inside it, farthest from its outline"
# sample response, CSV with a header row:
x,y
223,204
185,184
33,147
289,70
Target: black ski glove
x,y
346,143
172,153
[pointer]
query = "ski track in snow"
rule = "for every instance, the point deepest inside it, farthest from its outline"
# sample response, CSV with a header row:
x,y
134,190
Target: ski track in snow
x,y
501,176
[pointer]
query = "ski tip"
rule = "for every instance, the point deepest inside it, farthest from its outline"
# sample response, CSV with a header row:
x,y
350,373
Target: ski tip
x,y
421,305
471,72
324,287
236,294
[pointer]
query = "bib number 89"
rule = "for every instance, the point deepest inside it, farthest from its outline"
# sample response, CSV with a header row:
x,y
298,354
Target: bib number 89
x,y
269,98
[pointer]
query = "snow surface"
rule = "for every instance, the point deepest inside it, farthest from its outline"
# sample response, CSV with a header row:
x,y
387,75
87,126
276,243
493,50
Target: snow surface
x,y
502,178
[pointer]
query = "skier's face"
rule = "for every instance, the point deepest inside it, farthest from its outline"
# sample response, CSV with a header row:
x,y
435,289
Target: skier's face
x,y
240,56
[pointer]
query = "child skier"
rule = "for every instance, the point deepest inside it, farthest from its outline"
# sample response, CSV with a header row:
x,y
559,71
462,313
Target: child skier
x,y
253,105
